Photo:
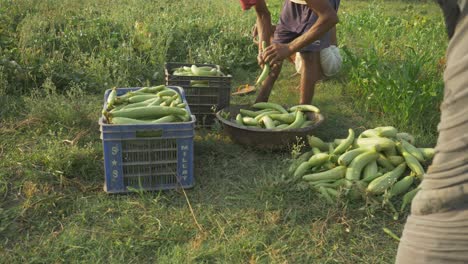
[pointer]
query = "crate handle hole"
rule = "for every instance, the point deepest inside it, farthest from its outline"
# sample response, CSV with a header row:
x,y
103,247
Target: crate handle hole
x,y
151,134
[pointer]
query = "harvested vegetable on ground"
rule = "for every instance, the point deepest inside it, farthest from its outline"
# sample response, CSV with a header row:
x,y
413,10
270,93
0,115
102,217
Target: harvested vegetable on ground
x,y
380,164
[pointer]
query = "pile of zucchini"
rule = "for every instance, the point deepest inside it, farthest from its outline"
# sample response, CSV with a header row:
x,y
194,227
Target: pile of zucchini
x,y
379,165
147,105
276,117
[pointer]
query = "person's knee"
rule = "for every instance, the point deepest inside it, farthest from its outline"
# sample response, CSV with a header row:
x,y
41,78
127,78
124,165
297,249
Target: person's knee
x,y
310,59
311,64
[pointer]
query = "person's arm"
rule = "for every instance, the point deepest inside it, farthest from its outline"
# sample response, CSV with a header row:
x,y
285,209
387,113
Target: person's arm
x,y
263,23
327,18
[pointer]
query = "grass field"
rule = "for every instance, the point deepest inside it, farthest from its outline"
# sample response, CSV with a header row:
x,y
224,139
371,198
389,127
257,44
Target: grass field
x,y
58,57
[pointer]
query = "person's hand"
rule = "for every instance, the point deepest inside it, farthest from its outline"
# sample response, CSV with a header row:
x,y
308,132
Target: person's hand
x,y
276,53
260,60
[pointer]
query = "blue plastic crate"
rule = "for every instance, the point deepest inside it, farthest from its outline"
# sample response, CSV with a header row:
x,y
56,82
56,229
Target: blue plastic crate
x,y
147,156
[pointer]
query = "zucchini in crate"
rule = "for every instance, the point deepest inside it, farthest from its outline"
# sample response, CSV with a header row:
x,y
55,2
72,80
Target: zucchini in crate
x,y
154,153
148,112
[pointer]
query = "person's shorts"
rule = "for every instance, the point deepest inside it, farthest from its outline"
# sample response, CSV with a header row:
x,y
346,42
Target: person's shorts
x,y
295,20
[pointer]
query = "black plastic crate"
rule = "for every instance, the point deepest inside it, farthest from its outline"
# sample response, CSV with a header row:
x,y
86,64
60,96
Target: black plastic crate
x,y
203,101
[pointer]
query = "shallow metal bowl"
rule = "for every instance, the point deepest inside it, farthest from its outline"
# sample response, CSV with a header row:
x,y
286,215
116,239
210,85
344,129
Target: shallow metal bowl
x,y
263,138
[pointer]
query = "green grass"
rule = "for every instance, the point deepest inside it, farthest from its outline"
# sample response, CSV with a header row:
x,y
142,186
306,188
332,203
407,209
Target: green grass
x,y
52,206
390,69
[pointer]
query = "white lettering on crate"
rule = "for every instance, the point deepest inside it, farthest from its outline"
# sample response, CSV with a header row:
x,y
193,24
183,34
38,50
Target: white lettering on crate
x,y
115,172
184,149
115,150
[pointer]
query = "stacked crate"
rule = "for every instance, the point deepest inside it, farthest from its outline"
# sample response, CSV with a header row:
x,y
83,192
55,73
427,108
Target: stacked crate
x,y
204,101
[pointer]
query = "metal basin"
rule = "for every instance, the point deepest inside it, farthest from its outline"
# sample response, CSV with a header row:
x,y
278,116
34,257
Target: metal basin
x,y
263,138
